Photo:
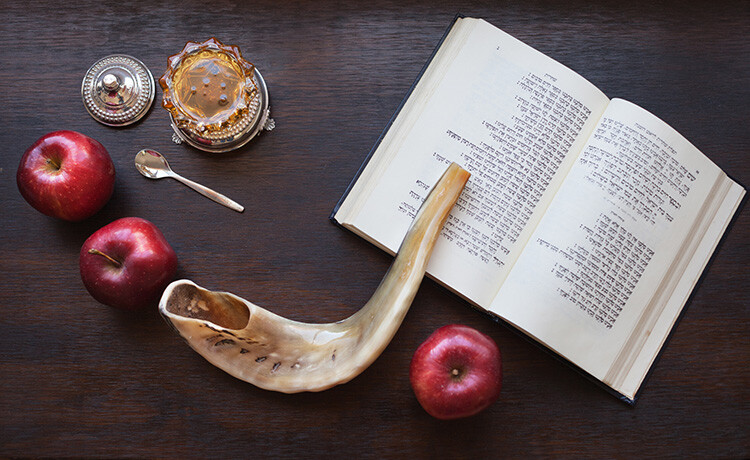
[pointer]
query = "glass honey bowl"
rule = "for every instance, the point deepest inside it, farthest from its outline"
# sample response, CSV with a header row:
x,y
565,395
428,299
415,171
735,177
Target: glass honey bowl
x,y
217,101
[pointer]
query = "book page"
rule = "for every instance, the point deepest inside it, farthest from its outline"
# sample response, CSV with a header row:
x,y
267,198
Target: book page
x,y
621,232
510,116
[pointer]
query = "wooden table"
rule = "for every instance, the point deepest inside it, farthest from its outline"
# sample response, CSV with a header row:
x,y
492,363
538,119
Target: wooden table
x,y
81,379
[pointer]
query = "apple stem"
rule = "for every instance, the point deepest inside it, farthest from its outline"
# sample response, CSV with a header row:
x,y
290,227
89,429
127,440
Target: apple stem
x,y
116,262
455,372
54,163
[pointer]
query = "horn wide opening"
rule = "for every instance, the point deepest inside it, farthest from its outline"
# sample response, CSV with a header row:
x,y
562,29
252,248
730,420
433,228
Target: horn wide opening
x,y
221,309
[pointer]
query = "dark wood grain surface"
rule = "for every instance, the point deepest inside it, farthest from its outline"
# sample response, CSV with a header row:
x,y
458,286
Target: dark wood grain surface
x,y
81,379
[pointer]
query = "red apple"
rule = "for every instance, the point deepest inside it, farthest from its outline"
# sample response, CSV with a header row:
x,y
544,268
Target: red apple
x,y
456,372
66,174
127,264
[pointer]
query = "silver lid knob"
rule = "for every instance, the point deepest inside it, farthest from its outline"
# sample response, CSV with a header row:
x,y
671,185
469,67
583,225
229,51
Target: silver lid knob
x,y
110,82
118,90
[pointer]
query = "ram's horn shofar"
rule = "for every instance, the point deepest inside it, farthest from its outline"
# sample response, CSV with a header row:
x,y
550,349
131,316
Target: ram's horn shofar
x,y
279,354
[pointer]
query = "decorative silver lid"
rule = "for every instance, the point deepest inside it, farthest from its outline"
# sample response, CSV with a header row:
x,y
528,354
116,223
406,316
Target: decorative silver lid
x,y
118,90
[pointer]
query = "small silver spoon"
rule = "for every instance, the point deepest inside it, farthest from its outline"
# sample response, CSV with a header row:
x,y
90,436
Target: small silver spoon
x,y
153,165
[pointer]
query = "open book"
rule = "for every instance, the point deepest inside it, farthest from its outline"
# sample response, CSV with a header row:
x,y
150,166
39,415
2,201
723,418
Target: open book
x,y
586,222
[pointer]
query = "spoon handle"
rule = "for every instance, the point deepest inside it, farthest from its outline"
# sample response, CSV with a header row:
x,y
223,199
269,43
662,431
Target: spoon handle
x,y
207,192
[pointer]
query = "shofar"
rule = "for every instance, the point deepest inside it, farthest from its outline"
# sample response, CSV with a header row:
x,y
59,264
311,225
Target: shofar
x,y
279,354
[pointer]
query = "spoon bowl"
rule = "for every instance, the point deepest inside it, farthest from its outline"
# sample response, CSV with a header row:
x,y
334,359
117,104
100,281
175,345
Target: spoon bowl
x,y
152,164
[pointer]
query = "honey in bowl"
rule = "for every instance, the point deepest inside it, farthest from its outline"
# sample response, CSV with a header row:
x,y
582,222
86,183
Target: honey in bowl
x,y
216,99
